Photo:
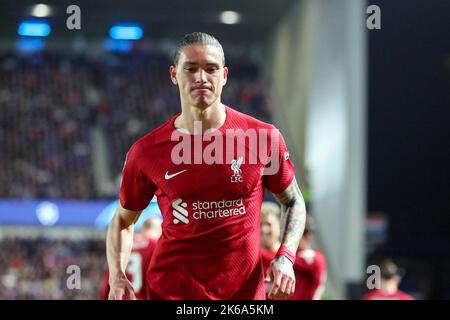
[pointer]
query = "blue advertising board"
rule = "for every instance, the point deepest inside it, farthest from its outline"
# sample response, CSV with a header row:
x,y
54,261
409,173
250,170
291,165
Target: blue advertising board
x,y
75,213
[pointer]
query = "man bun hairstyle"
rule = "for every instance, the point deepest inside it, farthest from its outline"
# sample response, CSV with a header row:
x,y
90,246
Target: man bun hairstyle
x,y
197,38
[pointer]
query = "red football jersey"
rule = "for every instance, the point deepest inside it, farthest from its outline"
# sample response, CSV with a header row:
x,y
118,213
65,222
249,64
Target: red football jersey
x,y
210,242
383,295
310,275
136,270
267,257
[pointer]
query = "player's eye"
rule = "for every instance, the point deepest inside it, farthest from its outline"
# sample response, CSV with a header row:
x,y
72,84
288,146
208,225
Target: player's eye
x,y
212,69
190,69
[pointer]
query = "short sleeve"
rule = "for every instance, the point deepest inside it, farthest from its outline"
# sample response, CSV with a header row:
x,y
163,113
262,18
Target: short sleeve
x,y
282,173
136,188
320,268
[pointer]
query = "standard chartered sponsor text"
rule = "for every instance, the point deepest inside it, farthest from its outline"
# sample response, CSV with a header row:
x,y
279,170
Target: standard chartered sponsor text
x,y
218,209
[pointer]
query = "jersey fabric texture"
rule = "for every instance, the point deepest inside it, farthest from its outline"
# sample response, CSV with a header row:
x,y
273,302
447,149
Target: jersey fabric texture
x,y
210,242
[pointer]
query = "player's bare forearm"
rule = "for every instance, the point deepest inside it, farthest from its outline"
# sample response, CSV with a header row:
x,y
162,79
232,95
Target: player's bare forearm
x,y
119,240
281,272
293,215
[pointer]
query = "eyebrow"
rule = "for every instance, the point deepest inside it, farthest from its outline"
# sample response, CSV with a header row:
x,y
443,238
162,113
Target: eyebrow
x,y
196,63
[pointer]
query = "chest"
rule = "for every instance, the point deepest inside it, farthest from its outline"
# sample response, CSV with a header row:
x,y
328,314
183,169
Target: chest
x,y
207,169
207,180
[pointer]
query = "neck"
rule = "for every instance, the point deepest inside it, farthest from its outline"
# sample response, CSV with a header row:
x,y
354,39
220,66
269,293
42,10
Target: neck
x,y
212,117
275,246
304,246
389,287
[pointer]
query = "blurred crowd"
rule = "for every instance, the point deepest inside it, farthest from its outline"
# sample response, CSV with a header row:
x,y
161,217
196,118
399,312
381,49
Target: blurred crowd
x,y
44,127
49,104
38,268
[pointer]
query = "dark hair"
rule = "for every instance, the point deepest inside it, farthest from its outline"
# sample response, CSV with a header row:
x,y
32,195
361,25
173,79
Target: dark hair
x,y
197,38
310,225
389,269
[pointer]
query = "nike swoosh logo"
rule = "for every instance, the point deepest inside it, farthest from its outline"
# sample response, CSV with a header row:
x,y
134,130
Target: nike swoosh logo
x,y
170,176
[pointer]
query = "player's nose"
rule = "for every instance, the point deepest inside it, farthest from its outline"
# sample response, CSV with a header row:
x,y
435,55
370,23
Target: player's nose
x,y
201,76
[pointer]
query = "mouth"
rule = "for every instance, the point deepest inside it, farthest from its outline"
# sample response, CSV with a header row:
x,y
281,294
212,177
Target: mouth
x,y
201,92
201,89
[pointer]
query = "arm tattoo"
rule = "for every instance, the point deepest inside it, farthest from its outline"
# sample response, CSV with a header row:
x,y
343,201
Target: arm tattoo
x,y
293,215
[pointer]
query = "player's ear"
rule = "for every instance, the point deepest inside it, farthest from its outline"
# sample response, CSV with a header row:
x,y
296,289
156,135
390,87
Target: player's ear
x,y
173,74
225,75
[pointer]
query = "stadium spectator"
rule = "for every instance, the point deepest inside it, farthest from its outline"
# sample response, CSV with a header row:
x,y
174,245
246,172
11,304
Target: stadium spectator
x,y
35,268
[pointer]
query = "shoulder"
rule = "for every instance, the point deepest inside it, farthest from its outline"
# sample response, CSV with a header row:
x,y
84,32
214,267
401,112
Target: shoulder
x,y
151,139
246,121
311,256
307,255
404,296
370,295
312,259
319,256
267,254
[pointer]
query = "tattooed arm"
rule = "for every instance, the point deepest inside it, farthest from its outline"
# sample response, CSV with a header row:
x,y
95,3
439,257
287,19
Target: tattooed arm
x,y
293,215
281,272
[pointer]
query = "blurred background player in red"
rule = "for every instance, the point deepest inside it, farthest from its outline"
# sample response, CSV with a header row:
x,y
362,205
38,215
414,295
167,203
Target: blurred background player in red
x,y
310,267
143,246
310,264
270,232
390,278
